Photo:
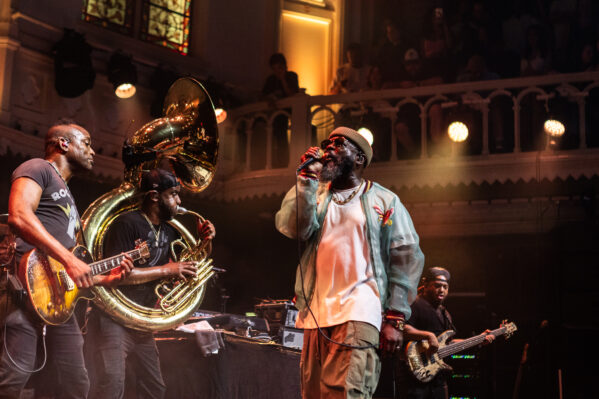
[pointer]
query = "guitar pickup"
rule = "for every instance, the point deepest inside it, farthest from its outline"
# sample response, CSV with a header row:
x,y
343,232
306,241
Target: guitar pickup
x,y
66,280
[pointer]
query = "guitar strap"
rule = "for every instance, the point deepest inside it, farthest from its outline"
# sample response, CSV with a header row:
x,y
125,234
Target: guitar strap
x,y
447,320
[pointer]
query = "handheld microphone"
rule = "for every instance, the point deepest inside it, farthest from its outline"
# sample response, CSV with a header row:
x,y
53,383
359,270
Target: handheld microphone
x,y
309,161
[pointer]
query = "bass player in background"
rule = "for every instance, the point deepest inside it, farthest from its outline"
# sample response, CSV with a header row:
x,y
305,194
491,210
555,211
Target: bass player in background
x,y
43,215
428,320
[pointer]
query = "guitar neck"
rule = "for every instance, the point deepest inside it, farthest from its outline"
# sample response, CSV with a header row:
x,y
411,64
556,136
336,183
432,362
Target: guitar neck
x,y
467,343
104,265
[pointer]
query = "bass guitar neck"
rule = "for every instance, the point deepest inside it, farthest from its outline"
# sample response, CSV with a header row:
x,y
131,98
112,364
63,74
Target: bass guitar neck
x,y
425,366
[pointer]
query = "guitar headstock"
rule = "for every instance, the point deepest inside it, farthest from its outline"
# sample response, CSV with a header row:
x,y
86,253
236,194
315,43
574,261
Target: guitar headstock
x,y
144,250
510,328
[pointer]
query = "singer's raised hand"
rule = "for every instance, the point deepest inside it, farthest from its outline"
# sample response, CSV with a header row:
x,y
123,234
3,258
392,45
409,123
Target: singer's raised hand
x,y
312,167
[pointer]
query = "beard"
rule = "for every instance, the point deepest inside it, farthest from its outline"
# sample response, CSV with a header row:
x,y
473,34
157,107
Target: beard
x,y
333,170
166,213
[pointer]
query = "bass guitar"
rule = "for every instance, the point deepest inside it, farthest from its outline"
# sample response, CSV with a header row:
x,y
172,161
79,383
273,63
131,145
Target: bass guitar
x,y
52,292
425,367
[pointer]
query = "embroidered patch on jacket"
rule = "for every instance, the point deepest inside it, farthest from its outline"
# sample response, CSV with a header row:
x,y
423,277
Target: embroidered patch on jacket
x,y
385,217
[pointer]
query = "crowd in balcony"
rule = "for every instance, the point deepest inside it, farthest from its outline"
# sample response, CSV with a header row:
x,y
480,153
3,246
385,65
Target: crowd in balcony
x,y
466,41
456,41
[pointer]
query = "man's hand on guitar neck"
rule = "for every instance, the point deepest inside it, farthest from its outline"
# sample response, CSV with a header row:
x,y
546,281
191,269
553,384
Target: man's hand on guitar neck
x,y
488,337
116,275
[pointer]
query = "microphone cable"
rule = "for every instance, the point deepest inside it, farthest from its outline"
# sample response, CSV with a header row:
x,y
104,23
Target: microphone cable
x,y
8,355
299,251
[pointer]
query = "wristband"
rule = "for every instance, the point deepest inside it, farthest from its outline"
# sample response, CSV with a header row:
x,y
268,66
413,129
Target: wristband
x,y
308,175
398,324
396,319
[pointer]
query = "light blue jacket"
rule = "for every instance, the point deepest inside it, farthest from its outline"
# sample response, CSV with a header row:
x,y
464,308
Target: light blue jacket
x,y
394,245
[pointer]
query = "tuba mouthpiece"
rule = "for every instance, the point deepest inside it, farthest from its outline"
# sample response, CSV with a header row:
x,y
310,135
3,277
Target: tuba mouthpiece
x,y
181,210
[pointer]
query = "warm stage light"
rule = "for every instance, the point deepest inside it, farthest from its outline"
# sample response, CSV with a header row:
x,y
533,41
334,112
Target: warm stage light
x,y
367,134
125,90
221,115
554,128
457,132
122,73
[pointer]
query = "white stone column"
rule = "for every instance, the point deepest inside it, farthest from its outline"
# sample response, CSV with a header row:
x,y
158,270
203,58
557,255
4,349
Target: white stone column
x,y
8,49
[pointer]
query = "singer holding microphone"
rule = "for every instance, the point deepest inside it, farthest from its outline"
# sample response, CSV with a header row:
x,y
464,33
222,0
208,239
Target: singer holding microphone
x,y
110,344
359,272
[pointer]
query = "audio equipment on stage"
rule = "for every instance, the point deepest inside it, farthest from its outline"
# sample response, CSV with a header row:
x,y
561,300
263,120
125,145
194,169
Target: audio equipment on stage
x,y
279,313
292,337
246,326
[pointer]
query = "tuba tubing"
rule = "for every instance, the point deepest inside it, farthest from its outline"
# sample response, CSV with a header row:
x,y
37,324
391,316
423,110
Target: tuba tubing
x,y
187,138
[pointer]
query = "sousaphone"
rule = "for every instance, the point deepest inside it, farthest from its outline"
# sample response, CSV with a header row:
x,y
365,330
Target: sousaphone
x,y
187,138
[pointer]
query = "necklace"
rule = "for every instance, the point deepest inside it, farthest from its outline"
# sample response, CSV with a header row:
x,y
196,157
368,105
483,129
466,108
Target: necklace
x,y
156,232
58,173
352,195
63,180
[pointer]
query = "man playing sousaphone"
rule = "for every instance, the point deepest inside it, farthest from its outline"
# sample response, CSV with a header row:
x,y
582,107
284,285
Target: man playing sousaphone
x,y
113,344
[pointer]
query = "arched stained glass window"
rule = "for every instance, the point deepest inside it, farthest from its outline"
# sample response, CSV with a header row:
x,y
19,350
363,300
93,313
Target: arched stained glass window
x,y
111,14
166,23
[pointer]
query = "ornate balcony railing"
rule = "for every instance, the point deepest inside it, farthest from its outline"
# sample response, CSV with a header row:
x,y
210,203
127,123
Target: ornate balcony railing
x,y
262,142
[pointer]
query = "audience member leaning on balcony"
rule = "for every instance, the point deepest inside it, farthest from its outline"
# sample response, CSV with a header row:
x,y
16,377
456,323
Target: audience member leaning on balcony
x,y
587,60
280,84
416,73
353,75
389,55
536,59
436,45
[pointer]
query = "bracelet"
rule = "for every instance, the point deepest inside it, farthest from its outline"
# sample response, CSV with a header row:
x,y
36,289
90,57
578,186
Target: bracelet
x,y
396,319
309,175
398,324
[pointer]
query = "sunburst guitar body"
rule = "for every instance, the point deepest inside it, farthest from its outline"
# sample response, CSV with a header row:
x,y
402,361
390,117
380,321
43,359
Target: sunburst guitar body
x,y
51,291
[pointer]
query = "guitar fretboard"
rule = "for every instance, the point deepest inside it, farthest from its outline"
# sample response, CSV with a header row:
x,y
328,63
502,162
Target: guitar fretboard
x,y
104,265
467,343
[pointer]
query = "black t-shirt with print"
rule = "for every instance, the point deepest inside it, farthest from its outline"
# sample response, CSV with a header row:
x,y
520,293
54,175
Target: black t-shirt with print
x,y
121,237
56,210
428,318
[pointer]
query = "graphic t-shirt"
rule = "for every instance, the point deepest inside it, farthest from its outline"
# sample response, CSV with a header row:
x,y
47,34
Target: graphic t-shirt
x,y
56,210
121,237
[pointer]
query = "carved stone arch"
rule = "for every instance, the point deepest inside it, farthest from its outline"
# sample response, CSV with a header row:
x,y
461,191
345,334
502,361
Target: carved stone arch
x,y
567,90
590,87
277,113
321,129
527,91
432,100
258,141
277,141
501,92
409,100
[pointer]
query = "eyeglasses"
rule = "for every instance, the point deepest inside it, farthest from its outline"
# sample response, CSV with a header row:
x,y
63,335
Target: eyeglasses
x,y
337,141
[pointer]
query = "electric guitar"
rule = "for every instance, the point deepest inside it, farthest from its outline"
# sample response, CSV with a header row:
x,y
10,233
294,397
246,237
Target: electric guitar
x,y
425,367
52,293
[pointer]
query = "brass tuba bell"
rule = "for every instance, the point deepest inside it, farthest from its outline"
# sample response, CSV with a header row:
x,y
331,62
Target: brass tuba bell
x,y
187,138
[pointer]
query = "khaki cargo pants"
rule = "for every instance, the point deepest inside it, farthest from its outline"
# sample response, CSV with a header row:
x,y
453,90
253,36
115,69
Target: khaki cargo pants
x,y
331,371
